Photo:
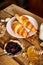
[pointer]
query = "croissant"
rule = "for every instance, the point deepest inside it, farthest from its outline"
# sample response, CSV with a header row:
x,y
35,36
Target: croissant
x,y
19,29
25,22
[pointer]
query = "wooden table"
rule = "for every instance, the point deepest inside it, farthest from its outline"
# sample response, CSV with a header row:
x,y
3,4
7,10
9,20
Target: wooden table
x,y
10,11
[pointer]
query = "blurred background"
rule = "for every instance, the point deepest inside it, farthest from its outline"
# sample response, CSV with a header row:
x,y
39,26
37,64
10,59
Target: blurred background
x,y
34,6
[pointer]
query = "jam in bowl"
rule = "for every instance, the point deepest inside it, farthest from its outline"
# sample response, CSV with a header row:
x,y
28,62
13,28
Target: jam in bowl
x,y
13,48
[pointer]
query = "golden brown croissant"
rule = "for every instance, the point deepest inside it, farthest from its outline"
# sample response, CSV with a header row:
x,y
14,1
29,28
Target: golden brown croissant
x,y
18,29
25,22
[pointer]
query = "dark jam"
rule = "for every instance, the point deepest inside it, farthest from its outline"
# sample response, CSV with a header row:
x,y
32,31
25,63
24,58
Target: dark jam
x,y
13,47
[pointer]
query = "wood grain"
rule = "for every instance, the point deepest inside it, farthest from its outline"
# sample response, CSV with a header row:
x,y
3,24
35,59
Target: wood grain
x,y
6,60
13,9
7,37
34,40
4,15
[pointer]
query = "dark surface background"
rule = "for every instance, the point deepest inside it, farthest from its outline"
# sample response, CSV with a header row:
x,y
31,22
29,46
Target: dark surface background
x,y
34,6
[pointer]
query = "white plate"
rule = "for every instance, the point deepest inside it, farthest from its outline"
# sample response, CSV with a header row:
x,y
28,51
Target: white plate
x,y
11,32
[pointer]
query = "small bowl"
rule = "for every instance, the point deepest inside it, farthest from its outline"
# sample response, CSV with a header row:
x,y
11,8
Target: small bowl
x,y
16,54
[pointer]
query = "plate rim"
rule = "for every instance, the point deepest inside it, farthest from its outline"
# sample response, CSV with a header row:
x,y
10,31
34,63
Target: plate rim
x,y
16,35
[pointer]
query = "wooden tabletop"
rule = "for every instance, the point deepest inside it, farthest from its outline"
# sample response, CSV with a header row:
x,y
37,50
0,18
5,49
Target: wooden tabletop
x,y
10,11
